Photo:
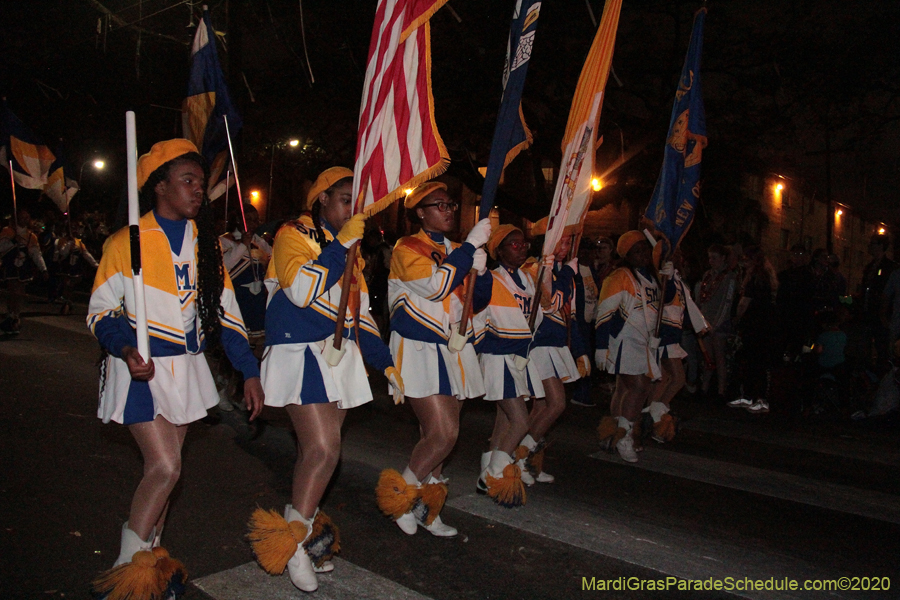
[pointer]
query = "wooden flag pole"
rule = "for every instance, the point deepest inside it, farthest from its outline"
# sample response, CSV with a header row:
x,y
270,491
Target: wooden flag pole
x,y
346,282
12,181
137,278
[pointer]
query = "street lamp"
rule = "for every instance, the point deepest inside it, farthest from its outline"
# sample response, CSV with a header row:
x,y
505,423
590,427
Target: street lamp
x,y
98,164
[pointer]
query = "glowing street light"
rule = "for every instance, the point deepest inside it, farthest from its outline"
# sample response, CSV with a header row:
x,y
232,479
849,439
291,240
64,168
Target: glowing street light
x,y
596,184
97,163
881,230
294,143
779,186
254,196
408,191
839,212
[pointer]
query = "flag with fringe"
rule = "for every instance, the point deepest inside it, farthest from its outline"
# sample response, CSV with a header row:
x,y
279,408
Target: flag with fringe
x,y
398,145
60,188
572,196
206,103
674,200
31,159
511,134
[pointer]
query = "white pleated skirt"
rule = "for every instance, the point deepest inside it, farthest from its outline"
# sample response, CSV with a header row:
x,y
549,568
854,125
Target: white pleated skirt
x,y
552,361
503,379
298,374
428,369
182,388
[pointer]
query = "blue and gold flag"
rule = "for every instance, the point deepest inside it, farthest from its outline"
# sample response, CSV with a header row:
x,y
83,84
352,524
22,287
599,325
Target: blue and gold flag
x,y
31,159
511,135
674,201
206,102
60,187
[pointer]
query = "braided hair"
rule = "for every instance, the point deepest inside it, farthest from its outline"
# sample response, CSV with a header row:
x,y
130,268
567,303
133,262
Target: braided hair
x,y
210,270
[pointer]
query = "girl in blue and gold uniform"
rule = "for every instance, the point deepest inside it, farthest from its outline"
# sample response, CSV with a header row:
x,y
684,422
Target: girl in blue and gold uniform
x,y
425,294
304,280
190,304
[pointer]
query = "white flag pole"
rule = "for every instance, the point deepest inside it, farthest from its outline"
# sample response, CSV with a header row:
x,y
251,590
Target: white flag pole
x,y
137,278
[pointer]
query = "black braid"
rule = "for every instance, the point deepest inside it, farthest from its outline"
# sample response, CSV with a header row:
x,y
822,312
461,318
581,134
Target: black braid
x,y
316,219
210,270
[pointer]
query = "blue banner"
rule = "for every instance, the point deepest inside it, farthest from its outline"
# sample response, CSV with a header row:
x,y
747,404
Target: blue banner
x,y
677,192
31,159
207,102
511,135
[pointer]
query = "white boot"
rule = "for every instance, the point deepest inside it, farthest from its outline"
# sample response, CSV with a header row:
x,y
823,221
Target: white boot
x,y
131,543
499,460
541,477
300,567
527,479
407,522
438,528
625,446
480,485
158,537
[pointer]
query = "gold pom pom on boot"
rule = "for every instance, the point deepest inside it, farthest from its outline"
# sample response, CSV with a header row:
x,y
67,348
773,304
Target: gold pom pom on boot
x,y
396,494
504,480
277,542
428,509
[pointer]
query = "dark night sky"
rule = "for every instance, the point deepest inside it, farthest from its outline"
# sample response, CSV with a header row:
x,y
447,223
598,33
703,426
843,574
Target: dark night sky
x,y
779,77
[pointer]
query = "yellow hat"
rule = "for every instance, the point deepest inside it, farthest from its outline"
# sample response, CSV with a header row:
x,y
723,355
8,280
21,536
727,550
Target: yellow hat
x,y
423,190
325,180
540,227
627,240
160,154
497,237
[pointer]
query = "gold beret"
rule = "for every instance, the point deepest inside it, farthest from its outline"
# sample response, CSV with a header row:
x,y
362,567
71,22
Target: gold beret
x,y
627,240
497,237
423,190
160,154
325,180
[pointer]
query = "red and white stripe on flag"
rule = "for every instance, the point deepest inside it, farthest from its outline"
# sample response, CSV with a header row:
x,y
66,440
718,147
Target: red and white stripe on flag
x,y
398,145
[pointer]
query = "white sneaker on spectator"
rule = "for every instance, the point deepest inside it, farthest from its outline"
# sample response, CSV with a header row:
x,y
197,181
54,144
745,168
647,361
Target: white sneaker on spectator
x,y
759,407
741,403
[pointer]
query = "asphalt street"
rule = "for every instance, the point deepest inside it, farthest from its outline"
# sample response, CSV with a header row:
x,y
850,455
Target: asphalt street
x,y
736,497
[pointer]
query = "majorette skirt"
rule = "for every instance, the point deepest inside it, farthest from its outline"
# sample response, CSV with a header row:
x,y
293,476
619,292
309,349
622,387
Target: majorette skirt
x,y
298,374
503,379
552,361
182,389
428,369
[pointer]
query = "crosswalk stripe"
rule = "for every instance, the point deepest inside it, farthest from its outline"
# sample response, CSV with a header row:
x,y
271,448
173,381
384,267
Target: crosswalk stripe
x,y
346,582
681,554
847,448
831,496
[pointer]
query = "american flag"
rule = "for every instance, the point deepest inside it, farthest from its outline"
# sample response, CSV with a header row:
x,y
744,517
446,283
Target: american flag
x,y
398,145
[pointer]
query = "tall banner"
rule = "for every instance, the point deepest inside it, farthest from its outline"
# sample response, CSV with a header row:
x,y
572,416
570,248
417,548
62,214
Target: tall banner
x,y
31,159
572,196
60,187
511,134
206,102
398,145
674,200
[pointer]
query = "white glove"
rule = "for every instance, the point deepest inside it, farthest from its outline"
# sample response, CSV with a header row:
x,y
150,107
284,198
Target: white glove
x,y
479,262
548,261
654,343
573,264
667,270
396,381
584,366
480,234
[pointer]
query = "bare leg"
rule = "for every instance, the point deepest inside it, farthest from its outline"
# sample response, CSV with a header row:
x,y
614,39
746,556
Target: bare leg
x,y
630,395
546,410
160,442
516,416
671,382
318,428
439,423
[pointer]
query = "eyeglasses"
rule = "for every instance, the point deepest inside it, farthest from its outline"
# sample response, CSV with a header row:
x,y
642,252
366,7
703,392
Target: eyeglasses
x,y
518,245
442,206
